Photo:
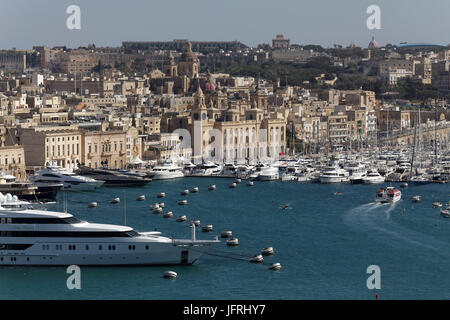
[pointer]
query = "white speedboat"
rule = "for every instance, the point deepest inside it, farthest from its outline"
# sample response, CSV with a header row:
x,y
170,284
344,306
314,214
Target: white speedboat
x,y
32,237
53,174
388,195
373,177
168,170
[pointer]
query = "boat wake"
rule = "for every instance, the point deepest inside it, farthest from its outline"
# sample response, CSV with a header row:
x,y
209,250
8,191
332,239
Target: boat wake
x,y
370,217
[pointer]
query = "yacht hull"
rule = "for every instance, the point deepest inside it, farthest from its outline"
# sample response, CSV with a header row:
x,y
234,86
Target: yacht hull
x,y
158,254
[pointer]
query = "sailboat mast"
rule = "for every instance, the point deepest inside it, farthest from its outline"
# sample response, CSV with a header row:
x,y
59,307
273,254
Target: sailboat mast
x,y
413,150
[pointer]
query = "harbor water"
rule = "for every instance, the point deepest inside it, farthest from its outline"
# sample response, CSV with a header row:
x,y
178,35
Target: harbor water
x,y
324,242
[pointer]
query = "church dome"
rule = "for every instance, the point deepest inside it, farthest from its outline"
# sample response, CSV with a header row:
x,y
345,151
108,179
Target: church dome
x,y
373,44
188,55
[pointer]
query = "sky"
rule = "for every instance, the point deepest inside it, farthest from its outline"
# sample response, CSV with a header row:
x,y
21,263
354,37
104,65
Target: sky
x,y
26,23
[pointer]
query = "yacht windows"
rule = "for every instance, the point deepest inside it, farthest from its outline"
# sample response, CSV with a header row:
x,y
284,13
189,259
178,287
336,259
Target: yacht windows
x,y
14,246
132,247
70,220
68,234
50,175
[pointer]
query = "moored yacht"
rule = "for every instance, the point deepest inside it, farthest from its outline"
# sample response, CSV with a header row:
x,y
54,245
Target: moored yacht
x,y
52,174
30,237
373,177
268,173
334,174
112,178
207,169
27,190
168,170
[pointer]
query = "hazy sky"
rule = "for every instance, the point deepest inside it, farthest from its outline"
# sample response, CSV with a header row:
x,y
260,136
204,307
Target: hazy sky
x,y
24,23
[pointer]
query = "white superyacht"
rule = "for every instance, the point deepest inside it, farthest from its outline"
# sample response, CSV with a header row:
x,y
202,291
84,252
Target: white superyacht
x,y
168,170
30,237
52,174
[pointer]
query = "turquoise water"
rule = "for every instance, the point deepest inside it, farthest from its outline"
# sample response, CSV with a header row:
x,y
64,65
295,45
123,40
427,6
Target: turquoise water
x,y
324,242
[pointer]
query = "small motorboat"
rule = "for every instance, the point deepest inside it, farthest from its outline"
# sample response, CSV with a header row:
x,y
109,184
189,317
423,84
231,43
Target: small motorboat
x,y
233,185
233,242
184,192
388,195
182,202
212,187
285,207
195,190
140,198
338,193
115,200
250,184
161,195
404,185
416,198
161,204
238,180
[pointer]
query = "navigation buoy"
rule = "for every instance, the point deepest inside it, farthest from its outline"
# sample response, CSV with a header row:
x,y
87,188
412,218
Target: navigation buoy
x,y
184,192
233,185
168,214
157,210
207,228
226,234
170,275
181,219
196,222
195,190
212,187
233,242
154,206
115,200
267,251
141,198
92,205
161,195
275,266
437,205
257,259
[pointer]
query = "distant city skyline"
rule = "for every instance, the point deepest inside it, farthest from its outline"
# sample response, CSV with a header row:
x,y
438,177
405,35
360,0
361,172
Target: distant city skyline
x,y
26,23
